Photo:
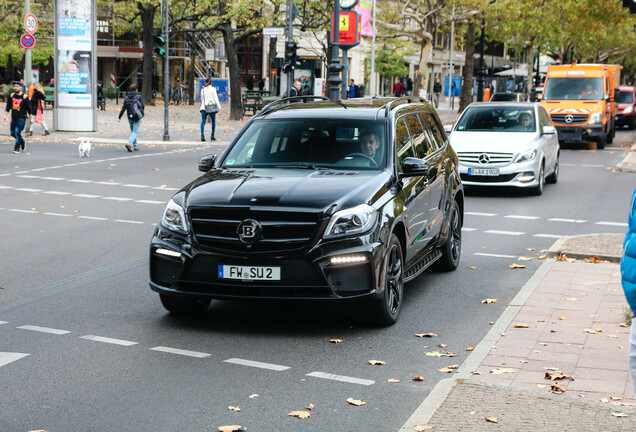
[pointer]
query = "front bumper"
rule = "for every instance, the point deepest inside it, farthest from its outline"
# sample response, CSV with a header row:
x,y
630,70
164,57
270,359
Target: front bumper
x,y
309,276
625,119
524,175
580,133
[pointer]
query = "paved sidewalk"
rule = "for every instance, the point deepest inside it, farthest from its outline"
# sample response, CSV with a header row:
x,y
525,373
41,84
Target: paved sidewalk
x,y
568,320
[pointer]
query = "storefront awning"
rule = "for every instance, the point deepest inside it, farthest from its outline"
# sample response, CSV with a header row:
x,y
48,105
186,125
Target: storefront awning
x,y
106,51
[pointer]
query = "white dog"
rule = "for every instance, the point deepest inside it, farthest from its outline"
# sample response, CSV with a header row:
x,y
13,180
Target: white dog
x,y
84,147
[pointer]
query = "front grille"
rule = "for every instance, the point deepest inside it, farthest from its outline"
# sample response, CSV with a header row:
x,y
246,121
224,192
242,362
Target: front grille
x,y
488,179
283,230
576,118
493,158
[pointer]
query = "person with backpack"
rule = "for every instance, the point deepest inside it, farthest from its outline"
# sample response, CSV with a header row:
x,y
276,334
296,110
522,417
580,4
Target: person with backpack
x,y
37,99
134,107
18,104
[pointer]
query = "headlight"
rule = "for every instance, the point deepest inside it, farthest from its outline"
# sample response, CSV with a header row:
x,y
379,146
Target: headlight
x,y
526,156
629,109
351,221
596,117
174,218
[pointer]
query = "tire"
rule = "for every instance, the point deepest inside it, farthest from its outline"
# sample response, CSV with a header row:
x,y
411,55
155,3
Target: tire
x,y
538,189
184,305
632,124
600,144
386,309
611,133
452,248
554,177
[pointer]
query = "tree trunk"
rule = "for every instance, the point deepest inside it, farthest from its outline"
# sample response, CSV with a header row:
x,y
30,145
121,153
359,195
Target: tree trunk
x,y
147,22
466,96
423,74
193,59
236,105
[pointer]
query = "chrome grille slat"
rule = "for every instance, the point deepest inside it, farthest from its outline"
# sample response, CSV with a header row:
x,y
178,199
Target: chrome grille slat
x,y
576,118
495,158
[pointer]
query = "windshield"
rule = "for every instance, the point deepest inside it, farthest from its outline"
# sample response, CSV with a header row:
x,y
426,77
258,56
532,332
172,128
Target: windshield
x,y
504,97
625,97
573,89
505,119
327,143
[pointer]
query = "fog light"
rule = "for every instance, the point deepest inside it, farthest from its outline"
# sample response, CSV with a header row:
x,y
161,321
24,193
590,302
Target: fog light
x,y
348,259
526,177
168,252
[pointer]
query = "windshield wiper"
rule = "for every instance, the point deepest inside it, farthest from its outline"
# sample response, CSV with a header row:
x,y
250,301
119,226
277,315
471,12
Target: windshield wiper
x,y
300,166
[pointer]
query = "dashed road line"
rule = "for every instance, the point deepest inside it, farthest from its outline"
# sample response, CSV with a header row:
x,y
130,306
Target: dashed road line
x,y
44,329
4,322
567,220
341,378
87,196
257,364
28,190
129,221
522,217
494,255
468,229
93,218
108,183
81,181
53,178
510,233
9,357
136,186
56,193
480,214
177,351
58,214
149,202
109,340
552,236
620,224
22,211
117,199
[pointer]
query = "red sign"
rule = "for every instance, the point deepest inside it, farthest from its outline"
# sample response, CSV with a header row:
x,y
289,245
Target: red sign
x,y
349,29
27,41
30,23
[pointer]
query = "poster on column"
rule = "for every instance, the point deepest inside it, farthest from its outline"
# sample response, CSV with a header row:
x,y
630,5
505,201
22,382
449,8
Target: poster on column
x,y
74,45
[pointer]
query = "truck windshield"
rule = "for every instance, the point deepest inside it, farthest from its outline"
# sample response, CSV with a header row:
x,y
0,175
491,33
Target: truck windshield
x,y
342,144
625,97
573,89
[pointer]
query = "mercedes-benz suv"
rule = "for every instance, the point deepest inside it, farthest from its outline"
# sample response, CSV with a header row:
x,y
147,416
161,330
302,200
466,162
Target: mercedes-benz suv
x,y
315,200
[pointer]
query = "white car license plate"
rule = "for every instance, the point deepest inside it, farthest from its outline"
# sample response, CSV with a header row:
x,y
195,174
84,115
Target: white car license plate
x,y
483,171
249,272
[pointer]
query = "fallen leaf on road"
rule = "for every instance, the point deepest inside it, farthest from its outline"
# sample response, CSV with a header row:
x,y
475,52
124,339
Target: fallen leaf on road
x,y
612,336
252,396
449,369
593,259
521,325
500,371
420,428
163,186
472,267
615,398
393,380
543,344
623,325
425,334
523,361
418,378
233,408
572,299
619,414
470,348
604,400
561,318
434,354
492,419
491,323
355,402
377,362
233,428
565,258
556,389
598,330
299,414
530,249
310,407
516,266
590,331
522,258
155,169
554,376
443,345
556,369
335,340
542,257
488,301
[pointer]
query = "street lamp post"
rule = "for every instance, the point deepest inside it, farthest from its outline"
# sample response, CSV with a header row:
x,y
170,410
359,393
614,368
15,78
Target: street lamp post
x,y
335,67
482,68
166,73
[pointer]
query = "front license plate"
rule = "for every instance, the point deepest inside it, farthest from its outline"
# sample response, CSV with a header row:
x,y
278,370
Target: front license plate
x,y
249,272
483,171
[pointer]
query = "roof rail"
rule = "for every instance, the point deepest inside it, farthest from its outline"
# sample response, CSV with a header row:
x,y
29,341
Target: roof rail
x,y
286,101
403,99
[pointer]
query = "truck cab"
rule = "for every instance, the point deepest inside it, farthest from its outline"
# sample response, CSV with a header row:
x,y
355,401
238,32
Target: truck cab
x,y
580,99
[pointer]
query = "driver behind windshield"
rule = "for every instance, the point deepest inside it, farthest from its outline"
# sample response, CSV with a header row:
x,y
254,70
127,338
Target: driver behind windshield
x,y
525,119
369,142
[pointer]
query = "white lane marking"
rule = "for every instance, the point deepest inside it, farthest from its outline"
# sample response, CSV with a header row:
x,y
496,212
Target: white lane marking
x,y
109,340
522,217
93,218
53,178
4,322
27,176
55,167
567,164
108,183
80,181
56,193
150,202
554,236
136,186
181,352
6,187
28,190
256,364
129,221
57,214
87,196
494,255
44,329
72,164
341,378
5,174
593,166
21,172
480,214
468,229
38,169
511,233
8,357
166,188
22,211
620,224
118,199
567,220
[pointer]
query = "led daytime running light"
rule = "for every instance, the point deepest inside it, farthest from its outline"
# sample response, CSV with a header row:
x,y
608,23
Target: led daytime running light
x,y
348,259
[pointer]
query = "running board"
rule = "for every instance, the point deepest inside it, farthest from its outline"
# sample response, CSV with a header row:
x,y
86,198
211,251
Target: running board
x,y
422,265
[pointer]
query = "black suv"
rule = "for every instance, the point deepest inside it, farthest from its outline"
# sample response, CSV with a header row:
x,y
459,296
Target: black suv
x,y
315,200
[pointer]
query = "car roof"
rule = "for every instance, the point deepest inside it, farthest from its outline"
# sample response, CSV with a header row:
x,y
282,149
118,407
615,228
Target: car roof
x,y
627,88
504,104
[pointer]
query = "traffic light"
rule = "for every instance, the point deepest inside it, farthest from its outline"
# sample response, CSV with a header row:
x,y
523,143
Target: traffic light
x,y
160,45
290,53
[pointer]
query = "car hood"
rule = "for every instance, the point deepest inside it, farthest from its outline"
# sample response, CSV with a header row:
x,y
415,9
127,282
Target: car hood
x,y
291,188
499,142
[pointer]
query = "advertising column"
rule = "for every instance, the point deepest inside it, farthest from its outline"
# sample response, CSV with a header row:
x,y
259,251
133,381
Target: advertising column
x,y
75,66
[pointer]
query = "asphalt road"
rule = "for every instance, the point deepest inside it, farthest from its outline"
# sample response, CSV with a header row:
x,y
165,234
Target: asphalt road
x,y
85,345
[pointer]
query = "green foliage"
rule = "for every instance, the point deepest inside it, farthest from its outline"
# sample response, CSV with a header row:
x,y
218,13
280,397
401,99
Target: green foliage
x,y
12,27
390,61
110,92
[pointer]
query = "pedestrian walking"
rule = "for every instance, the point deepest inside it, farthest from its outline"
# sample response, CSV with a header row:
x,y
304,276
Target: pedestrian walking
x,y
294,91
37,99
210,105
353,90
628,273
398,88
18,104
409,86
437,90
134,107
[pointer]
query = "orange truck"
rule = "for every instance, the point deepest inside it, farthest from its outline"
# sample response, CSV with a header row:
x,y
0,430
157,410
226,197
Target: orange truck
x,y
580,99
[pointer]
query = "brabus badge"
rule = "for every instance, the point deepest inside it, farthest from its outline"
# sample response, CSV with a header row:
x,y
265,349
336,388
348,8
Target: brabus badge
x,y
249,231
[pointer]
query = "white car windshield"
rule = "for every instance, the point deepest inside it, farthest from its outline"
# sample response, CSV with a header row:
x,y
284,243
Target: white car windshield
x,y
497,119
310,143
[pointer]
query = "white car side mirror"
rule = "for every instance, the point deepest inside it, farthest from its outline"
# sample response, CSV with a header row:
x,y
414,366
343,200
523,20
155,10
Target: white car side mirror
x,y
448,128
549,130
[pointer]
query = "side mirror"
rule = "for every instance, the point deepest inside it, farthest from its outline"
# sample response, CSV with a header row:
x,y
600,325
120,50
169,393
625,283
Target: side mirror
x,y
206,163
548,130
412,167
448,128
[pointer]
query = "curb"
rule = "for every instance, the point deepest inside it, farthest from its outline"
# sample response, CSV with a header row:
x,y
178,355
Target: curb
x,y
558,249
626,165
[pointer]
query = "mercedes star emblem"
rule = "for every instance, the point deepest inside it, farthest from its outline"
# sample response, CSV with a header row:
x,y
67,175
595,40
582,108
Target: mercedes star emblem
x,y
484,159
569,118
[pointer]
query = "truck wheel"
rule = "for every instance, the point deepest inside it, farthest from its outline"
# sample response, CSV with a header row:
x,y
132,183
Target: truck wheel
x,y
611,134
632,124
600,144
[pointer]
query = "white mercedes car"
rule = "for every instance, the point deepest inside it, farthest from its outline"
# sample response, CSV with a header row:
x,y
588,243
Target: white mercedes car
x,y
506,144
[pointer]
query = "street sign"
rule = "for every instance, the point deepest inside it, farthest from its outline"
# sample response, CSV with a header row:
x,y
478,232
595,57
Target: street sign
x,y
273,31
27,41
30,23
349,29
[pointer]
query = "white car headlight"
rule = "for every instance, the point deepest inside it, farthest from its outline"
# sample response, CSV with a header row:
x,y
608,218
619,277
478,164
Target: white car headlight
x,y
629,109
174,218
596,117
351,221
526,156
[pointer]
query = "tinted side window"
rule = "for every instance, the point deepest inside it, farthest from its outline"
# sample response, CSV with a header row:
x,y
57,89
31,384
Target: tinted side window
x,y
435,133
420,141
544,117
403,145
